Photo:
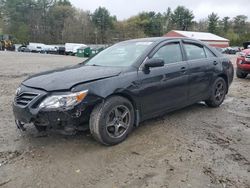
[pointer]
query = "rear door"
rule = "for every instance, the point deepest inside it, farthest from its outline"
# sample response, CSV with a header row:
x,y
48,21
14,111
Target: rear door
x,y
200,70
164,88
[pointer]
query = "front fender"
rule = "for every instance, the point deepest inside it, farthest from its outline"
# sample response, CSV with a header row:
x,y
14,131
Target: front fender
x,y
124,84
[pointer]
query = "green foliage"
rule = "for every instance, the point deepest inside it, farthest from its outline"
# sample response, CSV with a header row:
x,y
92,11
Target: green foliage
x,y
240,24
23,33
167,24
79,28
103,22
57,21
57,16
151,23
226,24
201,26
126,30
182,18
213,20
63,3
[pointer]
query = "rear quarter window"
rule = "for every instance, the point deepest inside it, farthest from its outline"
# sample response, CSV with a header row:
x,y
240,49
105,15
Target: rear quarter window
x,y
194,51
209,53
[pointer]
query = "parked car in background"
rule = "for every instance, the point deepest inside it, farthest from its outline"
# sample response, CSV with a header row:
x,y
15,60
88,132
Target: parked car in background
x,y
236,49
61,50
232,50
221,50
123,85
23,48
50,49
36,47
243,64
71,48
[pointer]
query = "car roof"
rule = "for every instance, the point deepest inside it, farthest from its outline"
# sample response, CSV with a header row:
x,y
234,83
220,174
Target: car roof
x,y
159,39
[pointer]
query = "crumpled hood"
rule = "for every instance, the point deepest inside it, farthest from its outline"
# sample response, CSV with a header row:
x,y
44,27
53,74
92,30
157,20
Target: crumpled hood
x,y
66,78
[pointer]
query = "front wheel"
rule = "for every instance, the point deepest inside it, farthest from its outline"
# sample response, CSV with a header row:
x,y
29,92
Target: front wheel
x,y
240,74
219,90
112,121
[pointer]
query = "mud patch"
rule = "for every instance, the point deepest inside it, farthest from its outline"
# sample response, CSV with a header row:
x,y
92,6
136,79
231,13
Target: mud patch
x,y
234,154
223,142
142,181
239,158
7,157
218,180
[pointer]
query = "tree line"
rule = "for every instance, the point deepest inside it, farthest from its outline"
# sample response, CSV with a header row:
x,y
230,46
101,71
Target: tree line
x,y
58,21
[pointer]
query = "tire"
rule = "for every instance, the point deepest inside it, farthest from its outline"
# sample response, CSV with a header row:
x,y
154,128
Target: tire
x,y
240,74
218,93
111,121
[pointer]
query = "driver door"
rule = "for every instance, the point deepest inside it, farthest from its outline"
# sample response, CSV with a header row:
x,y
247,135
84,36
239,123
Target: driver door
x,y
164,88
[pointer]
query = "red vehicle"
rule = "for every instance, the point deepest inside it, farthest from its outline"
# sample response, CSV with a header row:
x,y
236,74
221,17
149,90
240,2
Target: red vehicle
x,y
243,64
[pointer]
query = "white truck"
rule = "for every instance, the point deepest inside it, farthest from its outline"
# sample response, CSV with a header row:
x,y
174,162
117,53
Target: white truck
x,y
51,49
71,48
42,48
36,47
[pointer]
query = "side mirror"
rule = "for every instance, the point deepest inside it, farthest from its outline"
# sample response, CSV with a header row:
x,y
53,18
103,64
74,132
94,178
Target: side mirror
x,y
154,62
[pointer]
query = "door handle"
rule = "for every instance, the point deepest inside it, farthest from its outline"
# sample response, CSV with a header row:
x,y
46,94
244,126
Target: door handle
x,y
183,69
215,63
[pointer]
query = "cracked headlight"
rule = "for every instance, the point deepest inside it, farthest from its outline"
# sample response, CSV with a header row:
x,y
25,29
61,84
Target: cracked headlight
x,y
63,101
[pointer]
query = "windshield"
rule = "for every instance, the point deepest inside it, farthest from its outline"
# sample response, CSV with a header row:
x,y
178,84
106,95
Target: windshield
x,y
122,54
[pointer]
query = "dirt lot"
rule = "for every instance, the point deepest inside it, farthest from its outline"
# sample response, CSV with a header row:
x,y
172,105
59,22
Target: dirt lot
x,y
194,147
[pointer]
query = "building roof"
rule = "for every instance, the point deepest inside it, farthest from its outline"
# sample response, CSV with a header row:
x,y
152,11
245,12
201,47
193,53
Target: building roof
x,y
201,35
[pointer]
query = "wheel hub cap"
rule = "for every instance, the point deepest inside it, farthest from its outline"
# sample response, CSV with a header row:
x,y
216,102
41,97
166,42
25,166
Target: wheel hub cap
x,y
118,121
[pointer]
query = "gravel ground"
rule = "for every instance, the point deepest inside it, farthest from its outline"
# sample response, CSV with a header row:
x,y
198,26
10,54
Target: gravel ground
x,y
193,147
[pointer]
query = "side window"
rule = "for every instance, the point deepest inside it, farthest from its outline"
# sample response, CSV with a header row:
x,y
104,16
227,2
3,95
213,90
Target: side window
x,y
171,53
194,51
209,53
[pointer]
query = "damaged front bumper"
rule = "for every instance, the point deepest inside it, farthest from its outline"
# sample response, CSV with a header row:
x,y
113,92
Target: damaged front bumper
x,y
26,110
52,119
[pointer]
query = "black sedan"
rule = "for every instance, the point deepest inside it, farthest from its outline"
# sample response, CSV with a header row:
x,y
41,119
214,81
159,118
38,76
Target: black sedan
x,y
125,84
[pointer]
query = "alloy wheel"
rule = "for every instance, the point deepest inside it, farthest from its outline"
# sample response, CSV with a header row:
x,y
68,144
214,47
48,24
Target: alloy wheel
x,y
118,121
219,91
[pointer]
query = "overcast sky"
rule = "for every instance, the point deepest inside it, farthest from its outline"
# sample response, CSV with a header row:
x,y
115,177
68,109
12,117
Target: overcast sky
x,y
125,8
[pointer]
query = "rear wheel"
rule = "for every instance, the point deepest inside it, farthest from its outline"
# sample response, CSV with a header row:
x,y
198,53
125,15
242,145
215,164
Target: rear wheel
x,y
240,73
112,121
219,90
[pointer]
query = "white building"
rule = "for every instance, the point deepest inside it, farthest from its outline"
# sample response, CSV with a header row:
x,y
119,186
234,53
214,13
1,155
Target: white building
x,y
209,38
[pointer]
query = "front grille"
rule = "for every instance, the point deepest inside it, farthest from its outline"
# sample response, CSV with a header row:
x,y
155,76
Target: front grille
x,y
25,98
